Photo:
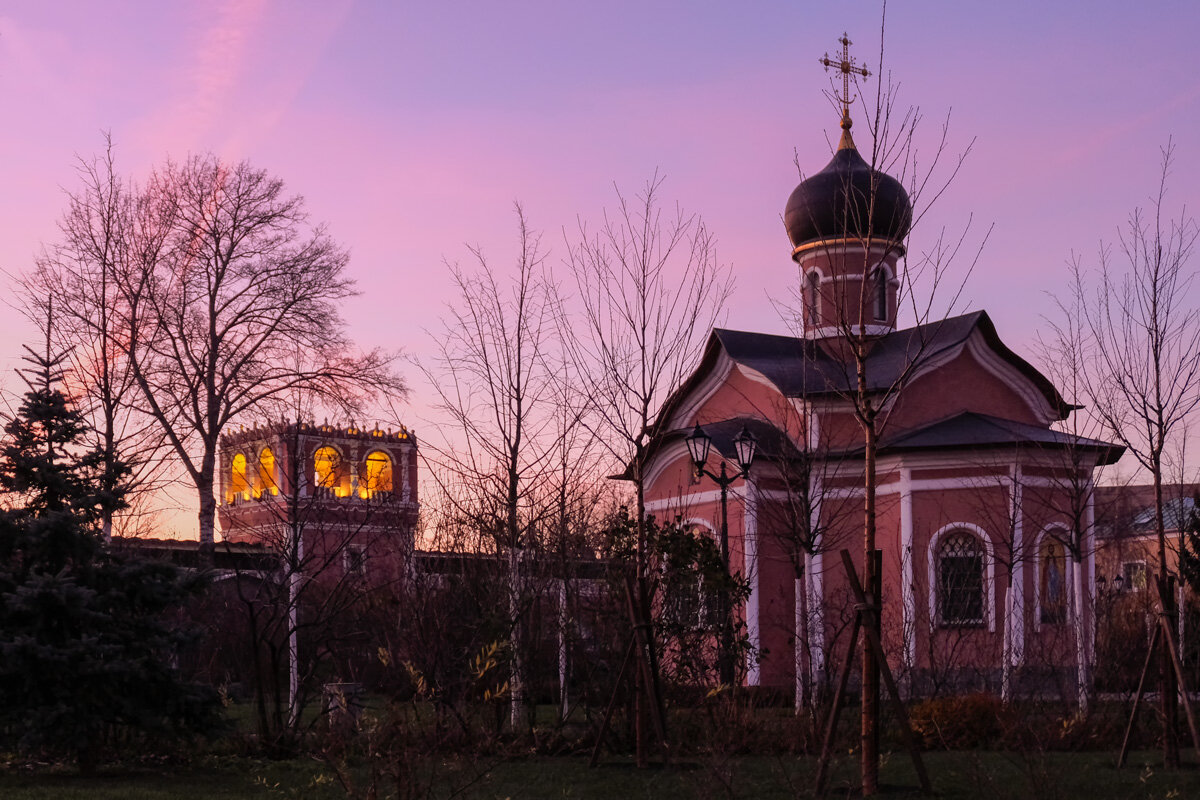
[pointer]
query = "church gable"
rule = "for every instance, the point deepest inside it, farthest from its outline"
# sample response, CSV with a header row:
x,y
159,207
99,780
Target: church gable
x,y
975,378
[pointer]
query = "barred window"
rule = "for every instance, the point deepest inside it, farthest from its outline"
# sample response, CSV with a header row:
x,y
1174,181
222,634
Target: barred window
x,y
960,580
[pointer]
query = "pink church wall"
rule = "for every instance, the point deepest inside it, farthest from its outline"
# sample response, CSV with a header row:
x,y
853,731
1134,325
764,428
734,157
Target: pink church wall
x,y
962,385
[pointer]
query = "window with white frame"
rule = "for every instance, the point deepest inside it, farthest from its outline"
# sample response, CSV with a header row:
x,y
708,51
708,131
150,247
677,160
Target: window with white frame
x,y
960,580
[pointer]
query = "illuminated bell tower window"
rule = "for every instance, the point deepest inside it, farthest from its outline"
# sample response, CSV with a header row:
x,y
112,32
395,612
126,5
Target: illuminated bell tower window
x,y
266,472
238,485
325,467
379,474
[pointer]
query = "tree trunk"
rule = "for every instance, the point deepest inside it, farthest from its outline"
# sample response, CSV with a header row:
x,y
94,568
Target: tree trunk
x,y
1166,669
1009,636
516,681
207,516
801,637
870,669
1083,678
641,689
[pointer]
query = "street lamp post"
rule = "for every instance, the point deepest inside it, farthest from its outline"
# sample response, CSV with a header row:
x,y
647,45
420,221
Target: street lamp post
x,y
744,444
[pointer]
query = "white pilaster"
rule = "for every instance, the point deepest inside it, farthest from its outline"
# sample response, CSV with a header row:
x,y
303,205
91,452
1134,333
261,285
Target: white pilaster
x,y
750,547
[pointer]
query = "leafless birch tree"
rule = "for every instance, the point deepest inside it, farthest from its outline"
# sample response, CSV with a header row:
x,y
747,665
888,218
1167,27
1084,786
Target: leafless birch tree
x,y
494,380
648,289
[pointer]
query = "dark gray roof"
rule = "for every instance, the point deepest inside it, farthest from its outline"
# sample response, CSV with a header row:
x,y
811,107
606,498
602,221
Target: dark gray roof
x,y
808,368
970,430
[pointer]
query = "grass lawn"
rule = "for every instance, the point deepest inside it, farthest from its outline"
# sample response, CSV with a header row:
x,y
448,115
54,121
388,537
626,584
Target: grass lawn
x,y
955,775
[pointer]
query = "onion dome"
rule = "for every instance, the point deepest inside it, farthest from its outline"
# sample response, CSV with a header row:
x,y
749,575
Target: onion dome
x,y
848,200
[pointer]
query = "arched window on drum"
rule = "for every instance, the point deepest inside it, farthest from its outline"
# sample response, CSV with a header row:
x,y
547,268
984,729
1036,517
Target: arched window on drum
x,y
880,291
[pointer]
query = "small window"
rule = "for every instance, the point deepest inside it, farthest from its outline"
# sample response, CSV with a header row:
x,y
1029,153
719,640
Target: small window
x,y
355,558
960,580
266,472
1052,582
239,487
1134,573
881,294
814,297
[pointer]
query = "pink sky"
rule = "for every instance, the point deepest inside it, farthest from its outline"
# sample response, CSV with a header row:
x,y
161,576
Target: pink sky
x,y
411,129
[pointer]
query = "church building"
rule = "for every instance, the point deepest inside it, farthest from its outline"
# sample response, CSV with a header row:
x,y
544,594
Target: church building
x,y
987,558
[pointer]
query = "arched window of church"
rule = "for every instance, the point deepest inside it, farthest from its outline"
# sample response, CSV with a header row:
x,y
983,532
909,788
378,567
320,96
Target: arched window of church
x,y
238,485
814,296
960,581
379,473
266,472
325,467
881,294
1052,581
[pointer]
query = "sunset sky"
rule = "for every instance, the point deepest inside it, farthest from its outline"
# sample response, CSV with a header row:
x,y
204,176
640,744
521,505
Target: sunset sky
x,y
411,129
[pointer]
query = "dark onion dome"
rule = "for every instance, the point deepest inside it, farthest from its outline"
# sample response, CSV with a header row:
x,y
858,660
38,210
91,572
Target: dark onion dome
x,y
836,202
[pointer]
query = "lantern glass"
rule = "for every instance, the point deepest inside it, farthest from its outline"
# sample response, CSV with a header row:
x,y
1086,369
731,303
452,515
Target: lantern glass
x,y
745,444
698,444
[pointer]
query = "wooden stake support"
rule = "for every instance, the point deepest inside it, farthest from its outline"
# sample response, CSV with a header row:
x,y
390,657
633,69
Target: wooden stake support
x,y
1163,636
864,622
640,652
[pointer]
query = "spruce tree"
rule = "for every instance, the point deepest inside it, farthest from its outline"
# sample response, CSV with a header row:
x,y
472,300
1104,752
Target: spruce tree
x,y
85,649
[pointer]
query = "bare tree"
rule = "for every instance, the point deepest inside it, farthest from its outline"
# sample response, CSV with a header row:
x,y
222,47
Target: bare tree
x,y
235,305
1069,489
79,274
494,380
872,220
1143,376
649,288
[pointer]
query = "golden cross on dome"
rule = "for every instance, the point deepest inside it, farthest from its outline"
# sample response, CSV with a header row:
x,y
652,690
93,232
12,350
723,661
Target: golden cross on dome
x,y
847,67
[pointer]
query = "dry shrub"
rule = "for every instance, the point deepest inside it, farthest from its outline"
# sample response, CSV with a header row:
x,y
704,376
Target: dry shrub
x,y
958,723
